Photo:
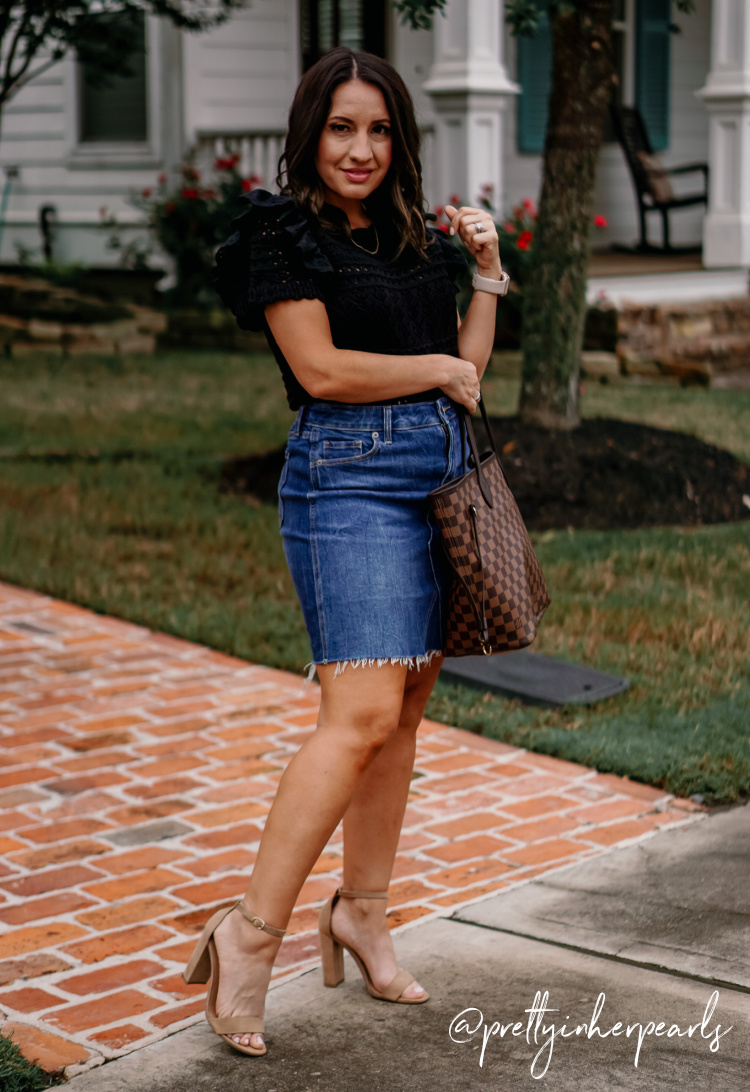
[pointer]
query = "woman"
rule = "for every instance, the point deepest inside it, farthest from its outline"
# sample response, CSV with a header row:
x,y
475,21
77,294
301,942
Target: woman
x,y
358,301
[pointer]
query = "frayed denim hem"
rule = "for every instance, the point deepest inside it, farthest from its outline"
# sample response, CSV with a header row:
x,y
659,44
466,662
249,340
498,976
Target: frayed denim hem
x,y
412,662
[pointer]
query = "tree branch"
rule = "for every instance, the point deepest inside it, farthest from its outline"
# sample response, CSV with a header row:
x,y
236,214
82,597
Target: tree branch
x,y
21,78
21,29
5,13
10,81
418,13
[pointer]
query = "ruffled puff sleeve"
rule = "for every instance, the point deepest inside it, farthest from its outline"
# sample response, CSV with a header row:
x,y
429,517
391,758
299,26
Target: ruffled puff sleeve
x,y
456,265
271,255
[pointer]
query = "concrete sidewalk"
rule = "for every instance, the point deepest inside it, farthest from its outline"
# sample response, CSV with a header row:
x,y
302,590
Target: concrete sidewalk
x,y
657,928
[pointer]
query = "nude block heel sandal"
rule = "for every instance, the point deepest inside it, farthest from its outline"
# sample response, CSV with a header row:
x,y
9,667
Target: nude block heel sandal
x,y
332,953
204,964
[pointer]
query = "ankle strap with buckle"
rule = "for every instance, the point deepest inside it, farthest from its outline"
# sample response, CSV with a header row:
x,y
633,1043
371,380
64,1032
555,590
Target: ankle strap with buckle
x,y
259,923
344,893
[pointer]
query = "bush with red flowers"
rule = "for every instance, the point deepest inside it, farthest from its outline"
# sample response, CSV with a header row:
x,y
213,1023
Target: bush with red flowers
x,y
515,235
186,221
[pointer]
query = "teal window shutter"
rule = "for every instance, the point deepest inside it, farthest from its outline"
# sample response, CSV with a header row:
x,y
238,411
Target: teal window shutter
x,y
652,49
534,73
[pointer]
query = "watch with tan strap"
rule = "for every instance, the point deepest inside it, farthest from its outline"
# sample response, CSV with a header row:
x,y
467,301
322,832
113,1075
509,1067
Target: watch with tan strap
x,y
488,284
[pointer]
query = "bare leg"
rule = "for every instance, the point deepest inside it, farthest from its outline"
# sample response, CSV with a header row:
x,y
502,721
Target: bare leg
x,y
372,827
360,710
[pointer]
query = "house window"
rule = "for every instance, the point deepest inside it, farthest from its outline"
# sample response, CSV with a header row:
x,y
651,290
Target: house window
x,y
641,48
325,24
116,112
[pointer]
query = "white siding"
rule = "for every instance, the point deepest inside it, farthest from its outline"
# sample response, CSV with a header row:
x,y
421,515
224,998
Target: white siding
x,y
33,122
32,138
410,52
242,76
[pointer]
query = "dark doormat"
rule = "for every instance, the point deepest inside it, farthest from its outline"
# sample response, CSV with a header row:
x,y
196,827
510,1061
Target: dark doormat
x,y
535,679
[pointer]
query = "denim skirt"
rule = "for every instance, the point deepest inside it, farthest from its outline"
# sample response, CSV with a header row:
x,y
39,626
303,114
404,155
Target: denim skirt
x,y
364,552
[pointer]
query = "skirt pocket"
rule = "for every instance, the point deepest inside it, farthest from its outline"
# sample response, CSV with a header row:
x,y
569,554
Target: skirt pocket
x,y
341,462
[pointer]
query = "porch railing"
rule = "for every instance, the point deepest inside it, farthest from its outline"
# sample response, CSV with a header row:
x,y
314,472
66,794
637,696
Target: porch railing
x,y
259,153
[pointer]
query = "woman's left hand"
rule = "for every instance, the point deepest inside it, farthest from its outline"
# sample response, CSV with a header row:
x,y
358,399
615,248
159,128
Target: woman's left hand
x,y
482,244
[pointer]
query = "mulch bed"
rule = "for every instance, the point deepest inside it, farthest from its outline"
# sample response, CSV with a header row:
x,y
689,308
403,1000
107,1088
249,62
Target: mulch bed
x,y
604,474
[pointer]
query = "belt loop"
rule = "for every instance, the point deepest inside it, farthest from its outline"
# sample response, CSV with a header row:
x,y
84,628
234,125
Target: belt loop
x,y
299,420
387,423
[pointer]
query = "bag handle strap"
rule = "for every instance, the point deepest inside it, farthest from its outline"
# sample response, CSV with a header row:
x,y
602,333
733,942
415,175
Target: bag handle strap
x,y
486,420
467,429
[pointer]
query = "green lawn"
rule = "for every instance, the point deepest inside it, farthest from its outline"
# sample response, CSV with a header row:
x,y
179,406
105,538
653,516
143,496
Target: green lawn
x,y
108,494
19,1075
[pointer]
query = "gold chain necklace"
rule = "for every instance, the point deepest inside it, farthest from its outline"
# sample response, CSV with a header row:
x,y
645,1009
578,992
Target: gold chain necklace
x,y
377,241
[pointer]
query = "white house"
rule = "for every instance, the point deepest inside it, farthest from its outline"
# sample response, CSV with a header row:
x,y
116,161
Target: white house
x,y
480,95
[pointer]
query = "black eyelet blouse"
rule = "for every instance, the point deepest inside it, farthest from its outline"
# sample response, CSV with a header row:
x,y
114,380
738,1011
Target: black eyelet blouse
x,y
375,303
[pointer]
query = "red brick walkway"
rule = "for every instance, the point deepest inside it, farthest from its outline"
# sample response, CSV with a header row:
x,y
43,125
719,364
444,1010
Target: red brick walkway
x,y
135,772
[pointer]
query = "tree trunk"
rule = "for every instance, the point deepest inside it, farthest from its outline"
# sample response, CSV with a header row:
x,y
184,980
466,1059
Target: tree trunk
x,y
555,295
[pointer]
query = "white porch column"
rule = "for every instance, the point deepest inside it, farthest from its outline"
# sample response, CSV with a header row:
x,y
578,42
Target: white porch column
x,y
726,231
470,89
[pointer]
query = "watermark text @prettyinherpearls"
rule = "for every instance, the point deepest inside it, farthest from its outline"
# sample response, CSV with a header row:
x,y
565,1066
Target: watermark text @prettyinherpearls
x,y
470,1024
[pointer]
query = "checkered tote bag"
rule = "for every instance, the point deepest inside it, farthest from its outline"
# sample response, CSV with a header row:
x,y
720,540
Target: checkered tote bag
x,y
498,594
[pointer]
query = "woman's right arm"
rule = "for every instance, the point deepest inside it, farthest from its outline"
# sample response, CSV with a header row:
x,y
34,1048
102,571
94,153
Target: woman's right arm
x,y
303,333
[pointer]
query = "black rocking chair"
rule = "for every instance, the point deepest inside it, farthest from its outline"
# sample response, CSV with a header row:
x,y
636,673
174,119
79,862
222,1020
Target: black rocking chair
x,y
652,186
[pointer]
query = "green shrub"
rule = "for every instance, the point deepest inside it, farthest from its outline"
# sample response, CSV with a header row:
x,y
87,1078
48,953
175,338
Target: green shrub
x,y
187,222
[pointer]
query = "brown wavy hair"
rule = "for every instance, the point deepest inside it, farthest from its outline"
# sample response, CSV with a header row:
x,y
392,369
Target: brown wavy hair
x,y
399,196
